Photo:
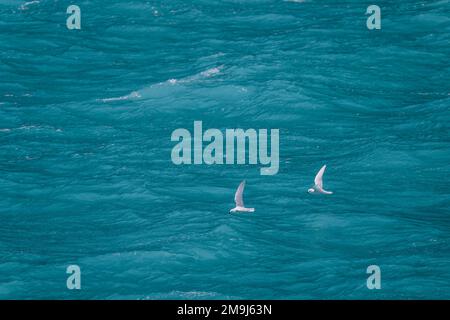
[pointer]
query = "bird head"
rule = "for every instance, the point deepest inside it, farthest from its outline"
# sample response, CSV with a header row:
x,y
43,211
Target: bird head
x,y
311,190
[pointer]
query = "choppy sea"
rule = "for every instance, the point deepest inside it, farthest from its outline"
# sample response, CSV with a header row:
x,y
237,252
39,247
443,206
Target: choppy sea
x,y
86,176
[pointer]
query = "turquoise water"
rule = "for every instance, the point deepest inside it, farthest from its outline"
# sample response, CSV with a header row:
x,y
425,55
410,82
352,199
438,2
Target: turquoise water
x,y
86,175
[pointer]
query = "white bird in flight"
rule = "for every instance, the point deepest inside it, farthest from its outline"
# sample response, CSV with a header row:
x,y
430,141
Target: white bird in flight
x,y
239,200
318,183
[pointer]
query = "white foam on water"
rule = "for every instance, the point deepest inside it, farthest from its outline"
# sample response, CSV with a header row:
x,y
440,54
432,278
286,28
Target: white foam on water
x,y
297,1
133,95
26,4
138,94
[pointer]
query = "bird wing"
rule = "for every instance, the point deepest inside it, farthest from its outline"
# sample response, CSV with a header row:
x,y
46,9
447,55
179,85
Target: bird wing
x,y
318,179
238,199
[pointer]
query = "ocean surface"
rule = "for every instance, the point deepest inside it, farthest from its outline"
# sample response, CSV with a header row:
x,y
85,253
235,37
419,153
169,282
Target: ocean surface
x,y
86,176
